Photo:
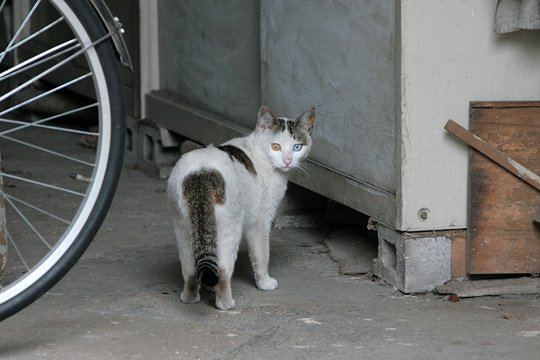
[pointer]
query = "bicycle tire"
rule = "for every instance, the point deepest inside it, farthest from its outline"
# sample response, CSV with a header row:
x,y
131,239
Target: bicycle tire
x,y
102,62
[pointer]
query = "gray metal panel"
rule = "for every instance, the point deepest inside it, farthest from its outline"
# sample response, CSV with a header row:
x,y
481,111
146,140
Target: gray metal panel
x,y
169,111
173,113
338,56
210,55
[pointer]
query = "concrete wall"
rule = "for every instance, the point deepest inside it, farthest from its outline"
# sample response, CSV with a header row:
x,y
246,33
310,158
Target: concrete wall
x,y
449,57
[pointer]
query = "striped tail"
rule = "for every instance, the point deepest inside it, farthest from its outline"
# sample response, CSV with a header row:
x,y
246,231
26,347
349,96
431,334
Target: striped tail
x,y
207,270
203,190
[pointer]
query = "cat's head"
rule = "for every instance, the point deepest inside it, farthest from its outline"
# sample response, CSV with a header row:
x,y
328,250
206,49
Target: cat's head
x,y
286,142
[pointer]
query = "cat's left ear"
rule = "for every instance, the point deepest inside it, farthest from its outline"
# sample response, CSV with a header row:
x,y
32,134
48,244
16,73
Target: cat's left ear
x,y
266,120
306,120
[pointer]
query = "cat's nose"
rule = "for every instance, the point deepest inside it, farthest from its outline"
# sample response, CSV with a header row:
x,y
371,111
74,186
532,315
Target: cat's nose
x,y
287,160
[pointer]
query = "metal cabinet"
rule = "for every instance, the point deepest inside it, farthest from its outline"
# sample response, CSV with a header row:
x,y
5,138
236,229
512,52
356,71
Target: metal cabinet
x,y
218,62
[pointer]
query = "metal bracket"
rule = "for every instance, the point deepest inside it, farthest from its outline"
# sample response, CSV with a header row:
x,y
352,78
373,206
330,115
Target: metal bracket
x,y
114,26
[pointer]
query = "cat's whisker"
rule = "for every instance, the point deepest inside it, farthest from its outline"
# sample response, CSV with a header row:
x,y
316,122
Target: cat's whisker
x,y
305,172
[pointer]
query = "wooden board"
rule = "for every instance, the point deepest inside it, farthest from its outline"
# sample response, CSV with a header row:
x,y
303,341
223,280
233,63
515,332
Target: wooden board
x,y
459,254
502,237
519,286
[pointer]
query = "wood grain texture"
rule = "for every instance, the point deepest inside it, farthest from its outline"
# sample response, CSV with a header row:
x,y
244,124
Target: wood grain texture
x,y
459,254
502,237
494,154
519,286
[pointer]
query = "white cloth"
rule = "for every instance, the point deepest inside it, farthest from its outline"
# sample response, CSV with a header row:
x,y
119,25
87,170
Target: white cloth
x,y
514,15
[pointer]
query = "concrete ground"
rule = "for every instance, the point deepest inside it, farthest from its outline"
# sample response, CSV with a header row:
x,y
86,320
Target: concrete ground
x,y
121,301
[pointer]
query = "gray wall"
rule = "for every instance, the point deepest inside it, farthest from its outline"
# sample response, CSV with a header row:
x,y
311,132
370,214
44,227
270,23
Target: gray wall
x,y
209,54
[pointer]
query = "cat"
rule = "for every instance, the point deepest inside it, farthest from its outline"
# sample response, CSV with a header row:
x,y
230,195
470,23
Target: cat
x,y
223,193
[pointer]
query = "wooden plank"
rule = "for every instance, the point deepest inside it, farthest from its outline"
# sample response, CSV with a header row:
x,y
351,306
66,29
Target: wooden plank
x,y
459,254
499,157
519,286
504,104
502,238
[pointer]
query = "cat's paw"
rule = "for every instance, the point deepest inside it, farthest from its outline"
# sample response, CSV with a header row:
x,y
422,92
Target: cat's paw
x,y
188,298
225,304
267,283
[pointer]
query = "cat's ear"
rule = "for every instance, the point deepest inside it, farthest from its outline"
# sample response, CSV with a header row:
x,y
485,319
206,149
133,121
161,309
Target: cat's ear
x,y
266,121
306,121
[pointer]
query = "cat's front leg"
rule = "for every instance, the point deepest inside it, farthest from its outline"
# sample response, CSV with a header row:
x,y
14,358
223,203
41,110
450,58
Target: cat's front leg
x,y
259,252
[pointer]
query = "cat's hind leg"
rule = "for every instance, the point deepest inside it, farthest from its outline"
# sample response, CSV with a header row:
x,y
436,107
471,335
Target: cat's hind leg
x,y
190,293
224,299
229,235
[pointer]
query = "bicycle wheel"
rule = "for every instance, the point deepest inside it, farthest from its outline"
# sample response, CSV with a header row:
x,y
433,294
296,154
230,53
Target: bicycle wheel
x,y
61,90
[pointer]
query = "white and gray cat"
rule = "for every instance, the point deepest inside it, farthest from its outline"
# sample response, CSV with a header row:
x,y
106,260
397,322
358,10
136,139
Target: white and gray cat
x,y
221,193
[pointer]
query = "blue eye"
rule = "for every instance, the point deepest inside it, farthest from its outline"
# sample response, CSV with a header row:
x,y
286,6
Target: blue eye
x,y
297,147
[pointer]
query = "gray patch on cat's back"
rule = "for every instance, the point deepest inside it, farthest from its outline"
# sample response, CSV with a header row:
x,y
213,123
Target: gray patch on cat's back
x,y
239,155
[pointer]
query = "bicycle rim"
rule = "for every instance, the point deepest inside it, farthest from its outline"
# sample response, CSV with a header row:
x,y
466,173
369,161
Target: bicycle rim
x,y
63,92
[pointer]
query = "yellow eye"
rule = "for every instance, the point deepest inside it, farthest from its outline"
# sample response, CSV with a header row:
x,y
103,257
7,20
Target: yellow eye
x,y
276,147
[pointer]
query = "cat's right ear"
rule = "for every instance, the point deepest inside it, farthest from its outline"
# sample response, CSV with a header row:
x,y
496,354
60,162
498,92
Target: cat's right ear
x,y
266,121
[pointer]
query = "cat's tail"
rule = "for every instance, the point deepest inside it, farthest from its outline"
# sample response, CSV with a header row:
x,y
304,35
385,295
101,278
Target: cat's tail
x,y
203,190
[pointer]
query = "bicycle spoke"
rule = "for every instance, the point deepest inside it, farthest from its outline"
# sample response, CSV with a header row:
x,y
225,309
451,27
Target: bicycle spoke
x,y
16,248
63,62
48,127
40,96
49,186
45,212
28,223
21,28
33,61
37,33
2,6
38,123
45,150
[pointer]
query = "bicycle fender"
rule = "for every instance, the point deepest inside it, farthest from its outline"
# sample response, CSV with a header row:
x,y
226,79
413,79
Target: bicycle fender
x,y
114,26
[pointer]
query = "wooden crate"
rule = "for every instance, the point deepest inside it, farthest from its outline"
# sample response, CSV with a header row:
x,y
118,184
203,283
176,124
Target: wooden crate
x,y
502,238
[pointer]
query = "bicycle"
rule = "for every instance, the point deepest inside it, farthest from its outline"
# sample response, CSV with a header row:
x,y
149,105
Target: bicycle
x,y
59,84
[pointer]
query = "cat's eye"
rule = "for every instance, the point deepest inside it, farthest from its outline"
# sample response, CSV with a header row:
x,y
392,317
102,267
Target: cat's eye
x,y
297,147
276,147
